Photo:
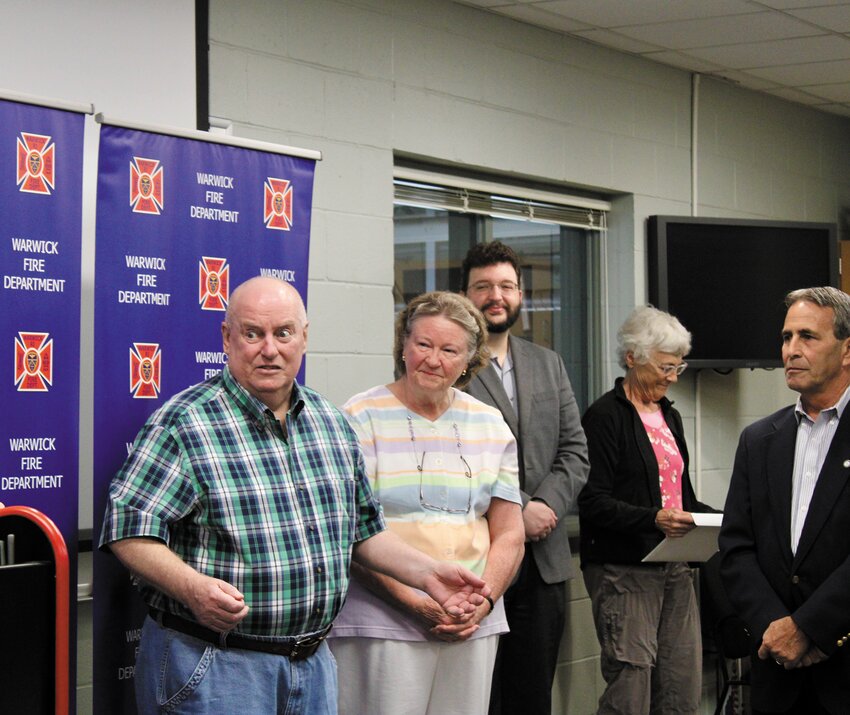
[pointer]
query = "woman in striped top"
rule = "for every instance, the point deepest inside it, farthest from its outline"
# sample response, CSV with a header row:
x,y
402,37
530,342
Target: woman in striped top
x,y
444,467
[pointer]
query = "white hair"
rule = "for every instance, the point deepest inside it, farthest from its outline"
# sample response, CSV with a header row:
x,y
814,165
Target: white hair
x,y
648,330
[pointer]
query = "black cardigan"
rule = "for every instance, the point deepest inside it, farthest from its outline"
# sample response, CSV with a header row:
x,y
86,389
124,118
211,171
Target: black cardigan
x,y
617,506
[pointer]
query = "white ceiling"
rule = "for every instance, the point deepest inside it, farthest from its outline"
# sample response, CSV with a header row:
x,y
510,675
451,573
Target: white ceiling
x,y
798,50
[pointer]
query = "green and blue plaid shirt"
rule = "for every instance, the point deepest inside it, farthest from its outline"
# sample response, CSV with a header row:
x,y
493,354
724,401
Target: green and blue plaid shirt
x,y
274,513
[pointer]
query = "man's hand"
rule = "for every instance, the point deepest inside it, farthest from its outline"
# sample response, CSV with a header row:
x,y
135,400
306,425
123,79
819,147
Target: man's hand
x,y
785,643
674,522
215,604
814,655
456,589
539,520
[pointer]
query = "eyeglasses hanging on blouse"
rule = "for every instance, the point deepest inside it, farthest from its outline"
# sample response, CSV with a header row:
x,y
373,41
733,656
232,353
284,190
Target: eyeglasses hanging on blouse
x,y
420,466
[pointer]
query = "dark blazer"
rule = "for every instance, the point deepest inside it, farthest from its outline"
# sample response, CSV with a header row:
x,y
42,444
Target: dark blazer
x,y
553,462
618,505
765,581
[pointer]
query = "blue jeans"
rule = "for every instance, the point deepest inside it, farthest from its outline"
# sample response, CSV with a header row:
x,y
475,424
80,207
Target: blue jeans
x,y
176,673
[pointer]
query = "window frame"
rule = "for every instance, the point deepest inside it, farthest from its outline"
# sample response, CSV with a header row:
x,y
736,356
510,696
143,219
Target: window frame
x,y
460,195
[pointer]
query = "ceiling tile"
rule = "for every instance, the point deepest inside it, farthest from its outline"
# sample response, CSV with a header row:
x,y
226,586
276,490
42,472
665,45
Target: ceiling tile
x,y
760,26
805,74
794,95
838,92
535,16
616,13
484,3
790,4
834,17
685,61
778,52
745,79
617,41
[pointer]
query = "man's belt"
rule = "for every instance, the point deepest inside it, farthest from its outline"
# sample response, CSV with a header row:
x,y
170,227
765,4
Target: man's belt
x,y
295,649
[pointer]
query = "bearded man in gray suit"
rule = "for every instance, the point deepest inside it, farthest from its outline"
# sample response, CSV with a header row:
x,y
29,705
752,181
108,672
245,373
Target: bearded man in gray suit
x,y
529,384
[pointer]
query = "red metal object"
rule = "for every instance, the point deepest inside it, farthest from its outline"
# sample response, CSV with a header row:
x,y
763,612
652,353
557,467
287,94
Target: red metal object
x,y
60,559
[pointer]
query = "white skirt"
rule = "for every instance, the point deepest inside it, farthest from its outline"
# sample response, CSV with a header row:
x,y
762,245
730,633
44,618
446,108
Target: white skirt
x,y
386,677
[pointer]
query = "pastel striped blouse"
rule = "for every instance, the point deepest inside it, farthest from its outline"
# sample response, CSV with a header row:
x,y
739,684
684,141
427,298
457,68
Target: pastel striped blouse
x,y
428,509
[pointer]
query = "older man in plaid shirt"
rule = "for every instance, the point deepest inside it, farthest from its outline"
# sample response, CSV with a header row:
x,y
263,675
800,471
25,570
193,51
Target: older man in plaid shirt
x,y
238,511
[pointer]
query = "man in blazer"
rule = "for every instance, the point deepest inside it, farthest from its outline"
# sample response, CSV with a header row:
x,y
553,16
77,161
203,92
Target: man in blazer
x,y
785,540
529,384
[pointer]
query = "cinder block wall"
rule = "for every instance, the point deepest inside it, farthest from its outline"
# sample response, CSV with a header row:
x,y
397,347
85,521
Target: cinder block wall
x,y
363,79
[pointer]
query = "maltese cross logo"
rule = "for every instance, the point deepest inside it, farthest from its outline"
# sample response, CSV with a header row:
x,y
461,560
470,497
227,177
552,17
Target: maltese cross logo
x,y
145,370
36,163
33,362
213,283
277,204
146,192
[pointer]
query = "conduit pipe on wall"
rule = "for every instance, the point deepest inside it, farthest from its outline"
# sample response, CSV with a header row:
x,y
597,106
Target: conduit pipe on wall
x,y
694,139
697,451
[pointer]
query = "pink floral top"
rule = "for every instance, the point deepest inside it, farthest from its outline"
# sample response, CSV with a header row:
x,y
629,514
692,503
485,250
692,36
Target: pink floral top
x,y
670,462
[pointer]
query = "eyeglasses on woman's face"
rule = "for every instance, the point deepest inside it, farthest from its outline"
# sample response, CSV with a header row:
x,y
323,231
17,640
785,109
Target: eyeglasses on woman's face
x,y
669,369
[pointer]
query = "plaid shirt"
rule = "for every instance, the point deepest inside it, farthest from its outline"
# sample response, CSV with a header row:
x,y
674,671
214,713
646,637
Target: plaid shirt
x,y
214,476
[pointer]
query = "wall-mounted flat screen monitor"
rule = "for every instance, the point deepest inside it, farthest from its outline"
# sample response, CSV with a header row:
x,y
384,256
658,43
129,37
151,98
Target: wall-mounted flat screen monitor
x,y
726,280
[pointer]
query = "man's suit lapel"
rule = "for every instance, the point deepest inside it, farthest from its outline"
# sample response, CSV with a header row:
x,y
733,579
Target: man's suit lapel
x,y
491,382
779,468
524,377
831,481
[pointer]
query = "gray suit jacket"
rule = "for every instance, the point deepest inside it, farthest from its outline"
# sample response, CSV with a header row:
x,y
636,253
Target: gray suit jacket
x,y
553,464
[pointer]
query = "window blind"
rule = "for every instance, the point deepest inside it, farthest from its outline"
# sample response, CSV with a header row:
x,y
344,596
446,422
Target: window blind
x,y
431,190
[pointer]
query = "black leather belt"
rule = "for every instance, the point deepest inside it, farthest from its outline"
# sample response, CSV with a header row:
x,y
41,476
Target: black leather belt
x,y
298,649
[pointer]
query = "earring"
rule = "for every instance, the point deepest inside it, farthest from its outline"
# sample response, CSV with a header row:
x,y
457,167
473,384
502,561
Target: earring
x,y
403,359
464,372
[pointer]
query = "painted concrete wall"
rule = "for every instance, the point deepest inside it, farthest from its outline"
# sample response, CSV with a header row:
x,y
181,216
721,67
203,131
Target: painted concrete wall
x,y
362,80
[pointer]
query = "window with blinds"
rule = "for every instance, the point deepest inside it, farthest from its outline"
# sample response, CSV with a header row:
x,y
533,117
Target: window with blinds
x,y
437,218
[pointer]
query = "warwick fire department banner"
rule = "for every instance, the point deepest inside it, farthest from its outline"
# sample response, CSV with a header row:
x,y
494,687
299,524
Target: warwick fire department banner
x,y
181,221
41,168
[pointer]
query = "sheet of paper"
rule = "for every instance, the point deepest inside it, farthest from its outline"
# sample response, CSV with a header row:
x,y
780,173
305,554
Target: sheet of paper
x,y
698,544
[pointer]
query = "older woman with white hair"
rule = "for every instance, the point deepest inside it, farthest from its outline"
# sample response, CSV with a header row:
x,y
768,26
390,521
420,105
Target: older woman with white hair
x,y
637,493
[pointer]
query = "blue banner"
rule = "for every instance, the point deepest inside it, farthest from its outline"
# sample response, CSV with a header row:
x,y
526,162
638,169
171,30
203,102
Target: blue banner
x,y
41,169
180,222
